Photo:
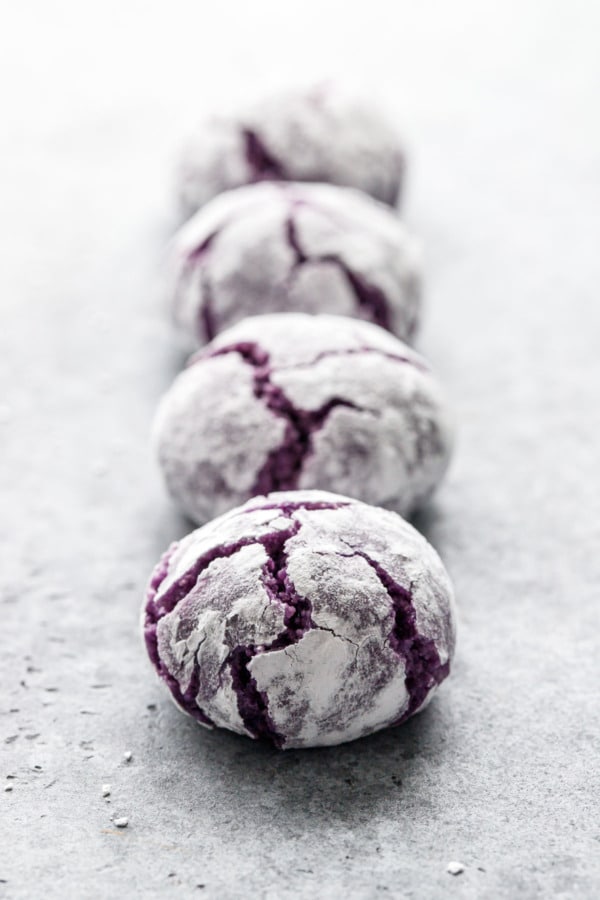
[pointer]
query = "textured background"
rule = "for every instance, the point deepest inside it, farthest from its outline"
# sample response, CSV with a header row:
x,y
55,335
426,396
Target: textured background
x,y
501,105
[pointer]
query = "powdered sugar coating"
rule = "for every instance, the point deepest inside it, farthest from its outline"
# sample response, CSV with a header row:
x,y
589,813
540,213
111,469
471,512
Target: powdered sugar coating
x,y
321,134
279,247
290,401
305,618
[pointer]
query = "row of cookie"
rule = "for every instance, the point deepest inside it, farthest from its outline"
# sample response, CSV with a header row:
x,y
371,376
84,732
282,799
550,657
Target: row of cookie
x,y
282,400
371,429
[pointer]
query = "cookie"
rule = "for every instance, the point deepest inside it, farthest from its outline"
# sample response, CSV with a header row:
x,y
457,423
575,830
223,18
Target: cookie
x,y
323,133
303,618
309,248
291,401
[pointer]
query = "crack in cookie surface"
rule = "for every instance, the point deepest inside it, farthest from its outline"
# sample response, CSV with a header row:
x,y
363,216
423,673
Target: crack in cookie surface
x,y
155,609
416,361
279,588
253,704
262,163
423,668
369,297
283,466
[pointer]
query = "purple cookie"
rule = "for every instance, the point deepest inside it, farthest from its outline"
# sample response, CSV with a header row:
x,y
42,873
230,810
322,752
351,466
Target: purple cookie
x,y
309,248
305,618
291,401
322,134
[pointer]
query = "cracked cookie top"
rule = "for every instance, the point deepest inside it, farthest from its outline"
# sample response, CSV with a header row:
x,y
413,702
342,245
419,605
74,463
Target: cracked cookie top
x,y
278,247
293,401
320,134
304,618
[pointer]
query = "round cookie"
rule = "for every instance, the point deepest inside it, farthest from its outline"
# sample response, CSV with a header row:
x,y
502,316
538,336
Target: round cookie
x,y
309,248
304,618
320,134
290,401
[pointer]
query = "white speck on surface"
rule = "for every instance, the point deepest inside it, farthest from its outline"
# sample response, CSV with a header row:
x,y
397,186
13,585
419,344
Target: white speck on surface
x,y
455,868
121,822
128,756
106,790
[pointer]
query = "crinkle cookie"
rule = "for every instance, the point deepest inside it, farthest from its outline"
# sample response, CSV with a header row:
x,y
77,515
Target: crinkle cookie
x,y
291,401
309,248
321,134
305,618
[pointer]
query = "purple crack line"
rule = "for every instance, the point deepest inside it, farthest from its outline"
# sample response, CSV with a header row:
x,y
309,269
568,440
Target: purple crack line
x,y
205,317
283,466
206,320
206,312
156,609
252,703
291,236
262,163
369,297
423,667
288,508
415,361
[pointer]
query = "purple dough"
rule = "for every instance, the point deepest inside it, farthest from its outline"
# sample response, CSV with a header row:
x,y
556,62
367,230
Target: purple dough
x,y
292,401
304,618
321,134
309,248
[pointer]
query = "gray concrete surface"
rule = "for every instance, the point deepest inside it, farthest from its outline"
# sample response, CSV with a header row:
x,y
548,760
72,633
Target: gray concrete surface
x,y
501,773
